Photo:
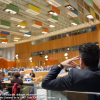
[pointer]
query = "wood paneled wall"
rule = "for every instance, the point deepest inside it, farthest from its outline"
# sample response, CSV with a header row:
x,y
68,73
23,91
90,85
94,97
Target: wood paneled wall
x,y
5,64
24,49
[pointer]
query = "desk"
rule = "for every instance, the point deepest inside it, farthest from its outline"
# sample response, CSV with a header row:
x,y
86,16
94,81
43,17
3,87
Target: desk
x,y
25,84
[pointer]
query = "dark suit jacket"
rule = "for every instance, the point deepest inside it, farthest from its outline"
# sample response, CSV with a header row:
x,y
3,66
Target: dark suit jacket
x,y
32,75
85,80
16,80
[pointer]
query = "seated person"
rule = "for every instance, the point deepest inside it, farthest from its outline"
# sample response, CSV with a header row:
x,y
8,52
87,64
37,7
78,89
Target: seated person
x,y
1,76
32,74
16,79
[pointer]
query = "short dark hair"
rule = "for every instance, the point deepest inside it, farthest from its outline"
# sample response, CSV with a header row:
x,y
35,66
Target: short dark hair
x,y
17,74
89,52
1,73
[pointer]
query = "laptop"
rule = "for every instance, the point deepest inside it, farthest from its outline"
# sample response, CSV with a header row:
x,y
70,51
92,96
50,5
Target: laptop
x,y
28,79
5,79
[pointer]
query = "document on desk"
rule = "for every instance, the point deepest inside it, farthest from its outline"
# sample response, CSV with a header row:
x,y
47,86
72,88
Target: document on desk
x,y
27,82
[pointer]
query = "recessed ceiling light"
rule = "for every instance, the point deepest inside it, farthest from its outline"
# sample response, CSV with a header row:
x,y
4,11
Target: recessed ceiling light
x,y
55,14
22,26
10,11
65,29
5,46
73,23
44,32
4,42
90,16
51,26
70,7
51,12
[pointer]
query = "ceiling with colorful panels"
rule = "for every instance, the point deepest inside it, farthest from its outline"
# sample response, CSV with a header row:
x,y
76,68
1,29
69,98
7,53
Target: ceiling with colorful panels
x,y
27,20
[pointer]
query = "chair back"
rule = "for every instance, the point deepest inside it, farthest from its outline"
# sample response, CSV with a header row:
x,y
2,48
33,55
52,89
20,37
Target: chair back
x,y
74,95
40,78
10,87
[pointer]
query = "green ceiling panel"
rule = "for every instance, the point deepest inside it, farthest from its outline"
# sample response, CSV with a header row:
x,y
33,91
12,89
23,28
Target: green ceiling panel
x,y
76,21
5,37
12,8
5,23
91,2
54,17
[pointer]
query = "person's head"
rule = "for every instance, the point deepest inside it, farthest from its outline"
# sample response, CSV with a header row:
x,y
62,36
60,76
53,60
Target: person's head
x,y
89,55
1,75
16,74
31,71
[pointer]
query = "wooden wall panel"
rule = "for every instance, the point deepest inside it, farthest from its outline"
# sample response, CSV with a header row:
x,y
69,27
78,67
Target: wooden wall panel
x,y
24,49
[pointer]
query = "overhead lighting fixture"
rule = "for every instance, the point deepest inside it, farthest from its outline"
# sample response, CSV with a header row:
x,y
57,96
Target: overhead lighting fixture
x,y
16,19
25,31
90,17
4,42
53,13
74,24
33,10
51,26
16,39
16,56
66,54
30,59
10,11
70,7
45,30
54,3
5,46
46,59
27,34
6,1
46,56
66,57
22,24
37,24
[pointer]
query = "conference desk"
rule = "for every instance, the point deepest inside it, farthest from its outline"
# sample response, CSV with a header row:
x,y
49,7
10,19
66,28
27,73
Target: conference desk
x,y
25,85
38,73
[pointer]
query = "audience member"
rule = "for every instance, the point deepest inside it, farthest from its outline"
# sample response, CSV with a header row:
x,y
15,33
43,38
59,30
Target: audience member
x,y
86,79
16,78
32,74
1,76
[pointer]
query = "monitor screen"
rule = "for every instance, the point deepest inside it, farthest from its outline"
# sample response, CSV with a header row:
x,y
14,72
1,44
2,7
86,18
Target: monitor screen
x,y
6,79
28,79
